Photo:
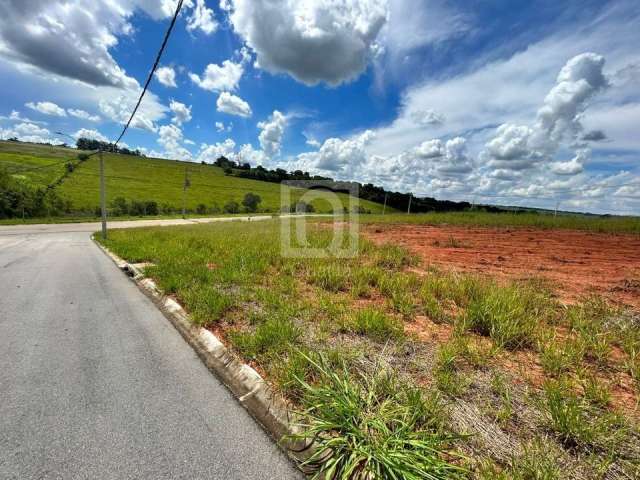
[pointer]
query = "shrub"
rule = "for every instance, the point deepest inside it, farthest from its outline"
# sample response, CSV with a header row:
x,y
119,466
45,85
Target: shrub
x,y
119,206
372,426
201,209
251,202
83,157
231,207
304,207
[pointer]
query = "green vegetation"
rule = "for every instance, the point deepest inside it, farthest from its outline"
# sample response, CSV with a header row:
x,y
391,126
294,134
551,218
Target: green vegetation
x,y
139,180
505,220
361,345
373,426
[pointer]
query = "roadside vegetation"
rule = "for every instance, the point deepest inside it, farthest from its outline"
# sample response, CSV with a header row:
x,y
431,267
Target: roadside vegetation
x,y
405,371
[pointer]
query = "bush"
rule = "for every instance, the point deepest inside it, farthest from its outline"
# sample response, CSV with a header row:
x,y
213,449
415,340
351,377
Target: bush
x,y
231,207
251,202
20,198
83,157
304,207
201,209
373,426
119,206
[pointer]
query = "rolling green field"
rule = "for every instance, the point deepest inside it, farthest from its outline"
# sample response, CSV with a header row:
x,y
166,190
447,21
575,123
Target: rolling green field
x,y
144,179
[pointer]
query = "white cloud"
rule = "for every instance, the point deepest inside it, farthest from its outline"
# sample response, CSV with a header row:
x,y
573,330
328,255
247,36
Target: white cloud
x,y
16,116
210,153
314,40
558,120
28,132
272,132
337,155
573,166
47,108
427,117
90,134
170,137
233,105
221,127
219,78
202,18
118,108
83,115
181,113
431,149
225,5
166,76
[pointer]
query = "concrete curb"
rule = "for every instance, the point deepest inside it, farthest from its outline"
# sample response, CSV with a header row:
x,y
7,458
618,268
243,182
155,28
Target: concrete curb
x,y
249,388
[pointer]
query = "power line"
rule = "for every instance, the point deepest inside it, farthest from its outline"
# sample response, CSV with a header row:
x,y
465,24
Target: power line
x,y
153,69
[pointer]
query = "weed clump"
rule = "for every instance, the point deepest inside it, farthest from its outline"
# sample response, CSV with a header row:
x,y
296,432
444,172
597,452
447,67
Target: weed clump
x,y
373,426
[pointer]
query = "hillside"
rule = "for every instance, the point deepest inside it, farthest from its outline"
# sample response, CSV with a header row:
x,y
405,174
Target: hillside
x,y
141,179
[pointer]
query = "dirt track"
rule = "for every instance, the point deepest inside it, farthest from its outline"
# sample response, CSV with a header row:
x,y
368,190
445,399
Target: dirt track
x,y
576,262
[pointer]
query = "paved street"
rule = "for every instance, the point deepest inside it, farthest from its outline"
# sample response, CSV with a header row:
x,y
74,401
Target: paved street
x,y
96,384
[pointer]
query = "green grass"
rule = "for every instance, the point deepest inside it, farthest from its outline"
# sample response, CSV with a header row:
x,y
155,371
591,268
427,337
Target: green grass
x,y
373,426
506,220
143,179
283,314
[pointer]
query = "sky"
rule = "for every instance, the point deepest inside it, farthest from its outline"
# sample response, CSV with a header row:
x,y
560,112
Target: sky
x,y
495,101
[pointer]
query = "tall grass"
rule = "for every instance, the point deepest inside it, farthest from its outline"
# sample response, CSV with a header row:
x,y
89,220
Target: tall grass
x,y
372,426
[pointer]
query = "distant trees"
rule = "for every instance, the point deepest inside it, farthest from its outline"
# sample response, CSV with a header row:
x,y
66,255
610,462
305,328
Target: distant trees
x,y
19,198
120,207
92,144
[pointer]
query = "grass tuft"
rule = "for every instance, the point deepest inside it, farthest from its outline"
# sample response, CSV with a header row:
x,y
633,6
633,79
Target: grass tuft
x,y
373,426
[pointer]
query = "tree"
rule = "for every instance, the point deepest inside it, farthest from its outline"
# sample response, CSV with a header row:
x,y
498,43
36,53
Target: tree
x,y
251,202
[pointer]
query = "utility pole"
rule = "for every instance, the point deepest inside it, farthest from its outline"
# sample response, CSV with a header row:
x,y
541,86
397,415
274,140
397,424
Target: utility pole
x,y
555,214
186,185
384,207
103,200
409,207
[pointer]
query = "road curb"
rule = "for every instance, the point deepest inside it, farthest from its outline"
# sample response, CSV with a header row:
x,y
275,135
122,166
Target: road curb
x,y
250,389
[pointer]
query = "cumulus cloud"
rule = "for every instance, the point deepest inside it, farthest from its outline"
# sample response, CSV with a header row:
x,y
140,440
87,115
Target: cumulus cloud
x,y
90,134
313,41
210,153
272,132
16,116
170,138
83,115
119,107
28,132
557,121
166,76
47,108
337,154
233,105
181,113
573,166
59,37
217,78
221,127
202,18
431,149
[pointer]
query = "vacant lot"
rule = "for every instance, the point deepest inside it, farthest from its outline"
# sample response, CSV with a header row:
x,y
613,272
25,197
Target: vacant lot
x,y
411,369
576,263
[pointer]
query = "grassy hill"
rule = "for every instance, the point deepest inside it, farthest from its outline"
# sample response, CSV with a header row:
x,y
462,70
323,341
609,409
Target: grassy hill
x,y
142,179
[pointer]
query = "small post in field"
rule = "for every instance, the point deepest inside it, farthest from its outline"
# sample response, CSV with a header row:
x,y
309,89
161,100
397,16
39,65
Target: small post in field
x,y
103,201
384,207
409,207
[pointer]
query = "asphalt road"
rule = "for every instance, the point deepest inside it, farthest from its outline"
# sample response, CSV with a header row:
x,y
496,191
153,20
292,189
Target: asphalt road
x,y
96,384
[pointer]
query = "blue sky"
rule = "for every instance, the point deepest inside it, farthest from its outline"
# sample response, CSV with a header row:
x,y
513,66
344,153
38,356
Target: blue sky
x,y
508,102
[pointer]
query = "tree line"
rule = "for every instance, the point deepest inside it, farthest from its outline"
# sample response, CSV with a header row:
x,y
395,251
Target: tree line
x,y
92,144
367,191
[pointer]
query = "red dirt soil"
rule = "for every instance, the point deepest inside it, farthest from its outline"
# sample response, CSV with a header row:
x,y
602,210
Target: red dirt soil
x,y
576,262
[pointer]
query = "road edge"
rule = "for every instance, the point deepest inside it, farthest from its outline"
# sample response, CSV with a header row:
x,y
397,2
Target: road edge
x,y
264,404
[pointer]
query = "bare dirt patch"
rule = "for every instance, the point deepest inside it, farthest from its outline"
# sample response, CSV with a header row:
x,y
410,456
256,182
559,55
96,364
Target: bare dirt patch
x,y
576,263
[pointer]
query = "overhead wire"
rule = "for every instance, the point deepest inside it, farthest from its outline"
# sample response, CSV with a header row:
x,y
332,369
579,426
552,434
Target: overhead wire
x,y
151,73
